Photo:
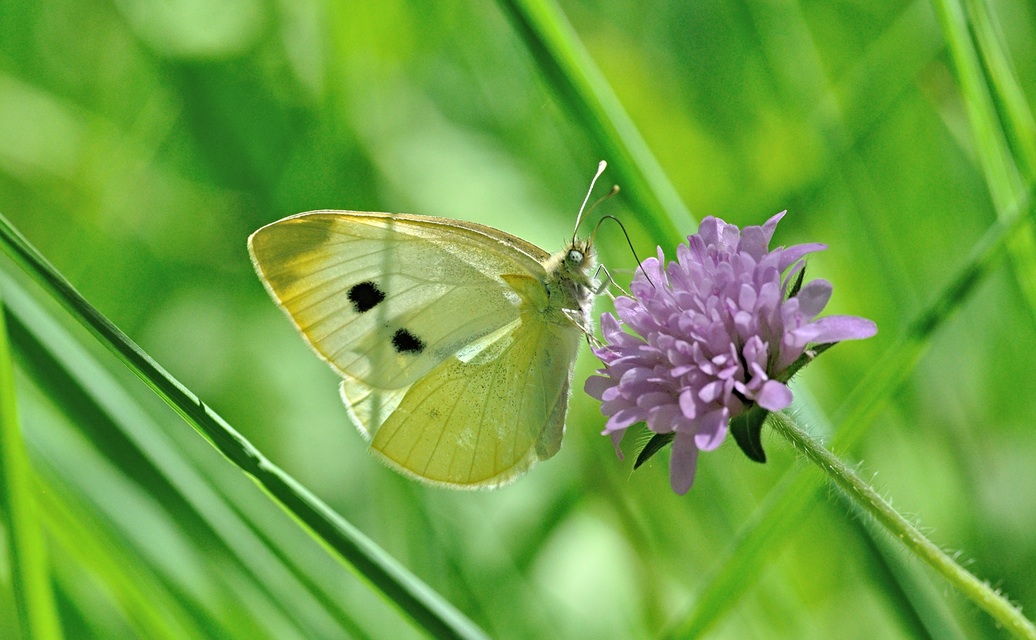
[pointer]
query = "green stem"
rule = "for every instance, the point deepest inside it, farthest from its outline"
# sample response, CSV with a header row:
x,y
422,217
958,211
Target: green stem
x,y
899,527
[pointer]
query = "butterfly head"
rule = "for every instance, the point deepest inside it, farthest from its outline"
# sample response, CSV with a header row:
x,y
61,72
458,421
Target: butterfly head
x,y
578,260
579,256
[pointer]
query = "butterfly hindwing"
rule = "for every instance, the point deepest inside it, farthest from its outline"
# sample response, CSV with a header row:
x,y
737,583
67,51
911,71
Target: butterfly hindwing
x,y
482,422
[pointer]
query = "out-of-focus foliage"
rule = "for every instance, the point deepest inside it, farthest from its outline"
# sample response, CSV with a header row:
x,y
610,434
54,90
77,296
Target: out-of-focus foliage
x,y
141,142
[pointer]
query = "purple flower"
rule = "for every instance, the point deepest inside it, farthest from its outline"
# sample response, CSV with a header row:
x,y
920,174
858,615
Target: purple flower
x,y
710,336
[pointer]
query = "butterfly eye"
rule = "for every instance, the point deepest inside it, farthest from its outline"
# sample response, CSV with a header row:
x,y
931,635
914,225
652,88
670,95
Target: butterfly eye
x,y
574,257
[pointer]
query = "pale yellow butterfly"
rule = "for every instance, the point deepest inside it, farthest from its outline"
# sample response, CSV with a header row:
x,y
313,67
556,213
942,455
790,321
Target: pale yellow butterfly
x,y
456,342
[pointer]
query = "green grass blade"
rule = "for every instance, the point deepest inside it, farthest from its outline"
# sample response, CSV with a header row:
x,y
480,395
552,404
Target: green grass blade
x,y
97,492
84,389
798,493
569,68
401,587
926,613
989,138
999,164
1015,117
151,607
30,572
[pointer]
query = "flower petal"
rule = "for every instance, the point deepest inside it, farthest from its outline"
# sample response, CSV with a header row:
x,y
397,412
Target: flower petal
x,y
596,386
838,328
754,241
683,462
616,437
770,225
687,403
622,420
708,229
712,429
791,255
712,391
813,297
665,418
774,396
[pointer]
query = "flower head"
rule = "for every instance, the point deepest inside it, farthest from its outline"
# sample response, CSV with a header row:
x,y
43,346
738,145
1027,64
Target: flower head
x,y
711,335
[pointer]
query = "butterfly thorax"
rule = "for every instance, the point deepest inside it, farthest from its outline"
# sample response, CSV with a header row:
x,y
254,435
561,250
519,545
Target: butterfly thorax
x,y
570,285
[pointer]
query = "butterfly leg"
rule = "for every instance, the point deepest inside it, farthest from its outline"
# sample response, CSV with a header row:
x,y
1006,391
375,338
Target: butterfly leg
x,y
602,287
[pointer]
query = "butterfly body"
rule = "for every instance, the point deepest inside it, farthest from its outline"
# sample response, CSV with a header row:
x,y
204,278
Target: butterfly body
x,y
455,341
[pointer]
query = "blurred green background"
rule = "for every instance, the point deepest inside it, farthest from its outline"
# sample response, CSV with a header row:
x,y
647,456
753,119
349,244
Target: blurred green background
x,y
141,142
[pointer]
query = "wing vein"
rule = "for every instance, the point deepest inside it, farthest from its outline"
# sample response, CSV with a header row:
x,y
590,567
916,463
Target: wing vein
x,y
485,406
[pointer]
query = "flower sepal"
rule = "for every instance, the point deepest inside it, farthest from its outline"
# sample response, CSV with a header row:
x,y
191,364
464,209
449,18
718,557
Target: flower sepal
x,y
809,355
747,429
657,442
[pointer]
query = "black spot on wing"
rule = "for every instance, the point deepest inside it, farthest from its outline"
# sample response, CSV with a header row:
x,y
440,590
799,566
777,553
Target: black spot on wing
x,y
365,296
405,342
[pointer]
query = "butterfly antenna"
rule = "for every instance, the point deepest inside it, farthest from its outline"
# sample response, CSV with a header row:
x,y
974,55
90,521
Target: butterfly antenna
x,y
579,218
614,191
640,263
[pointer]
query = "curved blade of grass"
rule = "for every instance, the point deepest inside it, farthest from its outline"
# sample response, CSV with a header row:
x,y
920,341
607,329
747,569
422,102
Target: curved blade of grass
x,y
991,140
30,572
799,492
577,80
1015,117
153,611
126,512
82,387
415,599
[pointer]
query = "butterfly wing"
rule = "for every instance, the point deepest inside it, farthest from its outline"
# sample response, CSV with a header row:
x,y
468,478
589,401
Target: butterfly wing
x,y
495,412
385,298
448,366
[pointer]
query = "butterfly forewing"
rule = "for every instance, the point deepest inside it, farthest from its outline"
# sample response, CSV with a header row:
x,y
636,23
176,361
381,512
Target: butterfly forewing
x,y
384,298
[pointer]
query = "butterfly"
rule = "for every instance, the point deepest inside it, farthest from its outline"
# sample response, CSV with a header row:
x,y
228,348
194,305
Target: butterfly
x,y
456,342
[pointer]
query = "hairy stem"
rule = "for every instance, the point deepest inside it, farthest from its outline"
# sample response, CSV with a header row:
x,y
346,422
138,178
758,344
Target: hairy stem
x,y
862,494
